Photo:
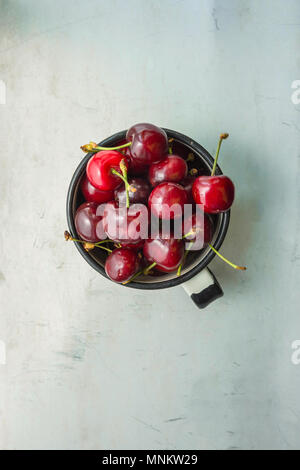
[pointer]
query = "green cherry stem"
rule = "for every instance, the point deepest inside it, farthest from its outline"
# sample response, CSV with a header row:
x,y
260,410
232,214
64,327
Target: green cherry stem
x,y
241,268
184,258
192,232
143,271
123,178
88,245
132,278
222,137
114,148
104,248
146,271
92,147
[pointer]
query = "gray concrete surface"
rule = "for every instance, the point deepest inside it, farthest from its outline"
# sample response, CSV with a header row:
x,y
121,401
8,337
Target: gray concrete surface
x,y
95,366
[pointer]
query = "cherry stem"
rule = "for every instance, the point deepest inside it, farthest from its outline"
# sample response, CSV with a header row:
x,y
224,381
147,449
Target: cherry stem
x,y
132,278
146,271
191,232
112,148
123,178
242,268
222,137
104,248
184,258
143,271
92,244
127,185
171,146
103,241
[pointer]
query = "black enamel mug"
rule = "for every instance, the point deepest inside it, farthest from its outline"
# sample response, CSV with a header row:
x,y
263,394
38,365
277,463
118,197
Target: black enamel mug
x,y
197,280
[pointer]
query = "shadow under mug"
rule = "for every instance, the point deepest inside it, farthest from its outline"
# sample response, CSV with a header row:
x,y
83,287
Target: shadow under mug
x,y
197,280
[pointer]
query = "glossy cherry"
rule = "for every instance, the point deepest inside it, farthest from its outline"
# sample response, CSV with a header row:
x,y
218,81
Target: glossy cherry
x,y
214,193
136,168
173,169
92,194
167,201
166,253
122,264
100,169
88,224
139,192
149,143
124,225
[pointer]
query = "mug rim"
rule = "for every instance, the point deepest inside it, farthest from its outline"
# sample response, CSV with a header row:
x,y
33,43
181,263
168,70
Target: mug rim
x,y
203,263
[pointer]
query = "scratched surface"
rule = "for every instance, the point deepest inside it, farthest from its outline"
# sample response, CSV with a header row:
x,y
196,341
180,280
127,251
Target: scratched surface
x,y
95,366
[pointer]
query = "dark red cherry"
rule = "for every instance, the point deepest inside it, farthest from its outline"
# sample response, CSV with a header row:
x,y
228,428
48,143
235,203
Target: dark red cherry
x,y
122,264
92,194
149,143
187,184
167,201
214,193
125,225
134,246
200,225
100,166
140,195
88,224
173,168
136,168
166,253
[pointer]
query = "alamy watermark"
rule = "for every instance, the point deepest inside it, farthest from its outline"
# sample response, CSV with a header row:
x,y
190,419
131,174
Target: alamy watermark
x,y
295,357
295,96
2,92
135,223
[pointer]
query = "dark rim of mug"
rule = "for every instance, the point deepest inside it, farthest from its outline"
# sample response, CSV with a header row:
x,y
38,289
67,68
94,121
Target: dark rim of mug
x,y
223,224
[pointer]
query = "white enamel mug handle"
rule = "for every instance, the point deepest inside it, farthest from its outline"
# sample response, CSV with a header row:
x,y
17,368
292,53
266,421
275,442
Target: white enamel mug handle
x,y
203,288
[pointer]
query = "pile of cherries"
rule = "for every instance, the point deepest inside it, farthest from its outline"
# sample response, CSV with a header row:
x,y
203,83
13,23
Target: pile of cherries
x,y
144,171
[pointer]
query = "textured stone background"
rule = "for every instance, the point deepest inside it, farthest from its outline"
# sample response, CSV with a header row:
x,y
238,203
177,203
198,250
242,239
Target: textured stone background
x,y
90,364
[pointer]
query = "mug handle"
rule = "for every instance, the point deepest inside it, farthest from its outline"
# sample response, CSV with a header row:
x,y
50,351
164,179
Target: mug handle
x,y
203,288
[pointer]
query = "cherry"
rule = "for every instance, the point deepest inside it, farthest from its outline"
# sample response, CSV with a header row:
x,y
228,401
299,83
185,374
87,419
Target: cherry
x,y
173,168
88,224
136,168
165,254
122,264
214,193
167,200
134,246
105,168
198,229
187,184
92,194
139,192
125,225
149,143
